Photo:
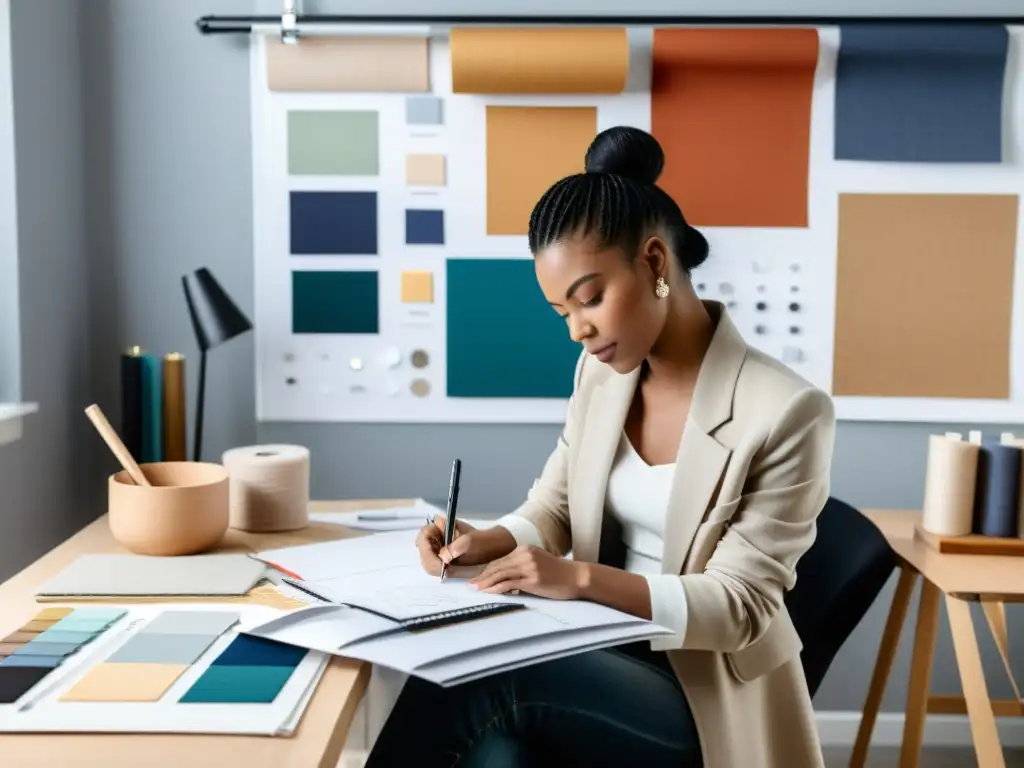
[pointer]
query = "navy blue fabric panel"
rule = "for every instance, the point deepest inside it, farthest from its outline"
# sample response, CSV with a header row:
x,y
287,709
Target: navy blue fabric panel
x,y
333,223
921,93
424,227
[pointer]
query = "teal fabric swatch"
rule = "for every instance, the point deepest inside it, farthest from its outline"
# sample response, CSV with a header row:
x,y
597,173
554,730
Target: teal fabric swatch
x,y
335,302
504,339
232,684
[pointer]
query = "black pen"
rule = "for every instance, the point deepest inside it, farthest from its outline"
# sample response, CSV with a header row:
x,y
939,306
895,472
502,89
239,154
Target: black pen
x,y
453,503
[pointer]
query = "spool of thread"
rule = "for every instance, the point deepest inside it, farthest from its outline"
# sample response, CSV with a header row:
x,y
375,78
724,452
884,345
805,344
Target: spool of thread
x,y
268,487
950,486
173,431
998,490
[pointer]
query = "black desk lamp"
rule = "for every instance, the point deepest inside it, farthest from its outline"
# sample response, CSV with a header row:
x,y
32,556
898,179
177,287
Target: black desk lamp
x,y
215,319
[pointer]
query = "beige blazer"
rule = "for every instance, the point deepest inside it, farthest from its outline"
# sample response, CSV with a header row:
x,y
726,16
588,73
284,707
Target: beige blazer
x,y
751,477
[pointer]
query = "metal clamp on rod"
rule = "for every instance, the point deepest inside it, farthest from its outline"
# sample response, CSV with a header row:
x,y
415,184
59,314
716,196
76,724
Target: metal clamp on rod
x,y
289,23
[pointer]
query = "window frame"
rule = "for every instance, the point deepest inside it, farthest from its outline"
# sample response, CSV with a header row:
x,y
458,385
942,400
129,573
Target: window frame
x,y
11,408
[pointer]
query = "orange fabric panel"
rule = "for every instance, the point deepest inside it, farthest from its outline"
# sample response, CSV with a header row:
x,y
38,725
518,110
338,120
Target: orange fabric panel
x,y
732,110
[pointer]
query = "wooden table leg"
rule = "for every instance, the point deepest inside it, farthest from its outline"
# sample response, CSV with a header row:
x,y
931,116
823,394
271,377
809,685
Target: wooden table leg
x,y
979,707
883,665
920,674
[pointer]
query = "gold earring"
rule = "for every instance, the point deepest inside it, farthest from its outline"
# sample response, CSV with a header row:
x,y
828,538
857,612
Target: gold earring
x,y
660,288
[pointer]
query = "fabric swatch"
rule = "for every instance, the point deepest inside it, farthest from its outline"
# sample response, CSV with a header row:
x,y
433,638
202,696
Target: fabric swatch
x,y
378,64
528,150
335,302
423,110
527,354
417,286
539,59
424,227
333,143
731,109
920,93
333,223
425,170
910,311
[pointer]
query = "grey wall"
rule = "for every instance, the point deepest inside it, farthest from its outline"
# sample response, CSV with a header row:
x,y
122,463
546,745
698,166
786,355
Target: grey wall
x,y
48,483
159,126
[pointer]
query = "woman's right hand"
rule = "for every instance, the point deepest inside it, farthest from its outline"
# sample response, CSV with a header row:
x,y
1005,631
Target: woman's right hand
x,y
475,547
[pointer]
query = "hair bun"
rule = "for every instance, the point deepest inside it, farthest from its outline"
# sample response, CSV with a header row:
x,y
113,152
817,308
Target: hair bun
x,y
626,151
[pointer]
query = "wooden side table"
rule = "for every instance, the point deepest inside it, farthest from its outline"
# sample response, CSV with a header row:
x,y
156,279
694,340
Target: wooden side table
x,y
960,580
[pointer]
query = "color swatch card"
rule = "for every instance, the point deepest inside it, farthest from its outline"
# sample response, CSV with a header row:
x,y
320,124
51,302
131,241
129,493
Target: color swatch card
x,y
182,669
41,645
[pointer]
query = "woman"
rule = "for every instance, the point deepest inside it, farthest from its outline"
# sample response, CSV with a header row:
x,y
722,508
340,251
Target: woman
x,y
704,459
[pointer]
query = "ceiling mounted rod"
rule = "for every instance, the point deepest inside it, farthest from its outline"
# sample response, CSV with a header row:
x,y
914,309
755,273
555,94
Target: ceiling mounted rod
x,y
292,25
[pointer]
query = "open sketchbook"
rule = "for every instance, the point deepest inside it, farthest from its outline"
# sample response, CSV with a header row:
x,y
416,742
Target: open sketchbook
x,y
372,591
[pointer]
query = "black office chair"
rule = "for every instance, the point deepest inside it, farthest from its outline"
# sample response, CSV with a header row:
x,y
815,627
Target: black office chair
x,y
837,580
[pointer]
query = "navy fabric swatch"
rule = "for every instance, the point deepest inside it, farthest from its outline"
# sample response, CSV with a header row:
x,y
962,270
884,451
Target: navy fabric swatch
x,y
997,490
333,223
920,93
424,227
249,651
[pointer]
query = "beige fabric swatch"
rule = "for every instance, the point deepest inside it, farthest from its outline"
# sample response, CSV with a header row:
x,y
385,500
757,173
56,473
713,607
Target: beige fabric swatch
x,y
381,64
425,170
117,681
924,295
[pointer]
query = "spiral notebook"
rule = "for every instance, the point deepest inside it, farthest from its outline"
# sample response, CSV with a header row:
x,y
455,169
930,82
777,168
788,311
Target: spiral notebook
x,y
414,607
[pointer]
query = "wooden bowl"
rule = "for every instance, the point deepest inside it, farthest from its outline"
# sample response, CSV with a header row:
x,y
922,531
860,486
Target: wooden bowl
x,y
184,513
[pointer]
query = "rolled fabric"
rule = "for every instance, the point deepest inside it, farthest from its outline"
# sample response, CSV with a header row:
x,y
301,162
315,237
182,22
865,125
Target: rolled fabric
x,y
997,500
950,484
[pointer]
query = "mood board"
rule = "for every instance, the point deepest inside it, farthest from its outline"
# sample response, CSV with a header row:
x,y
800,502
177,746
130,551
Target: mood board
x,y
153,669
859,187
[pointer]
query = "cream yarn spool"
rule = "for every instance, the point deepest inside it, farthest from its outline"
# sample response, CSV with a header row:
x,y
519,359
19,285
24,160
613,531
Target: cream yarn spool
x,y
269,487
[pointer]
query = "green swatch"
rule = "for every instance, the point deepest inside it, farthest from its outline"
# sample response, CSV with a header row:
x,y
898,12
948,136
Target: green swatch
x,y
525,352
333,143
229,684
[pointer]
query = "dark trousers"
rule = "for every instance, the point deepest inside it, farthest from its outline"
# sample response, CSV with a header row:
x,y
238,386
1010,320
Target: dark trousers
x,y
620,707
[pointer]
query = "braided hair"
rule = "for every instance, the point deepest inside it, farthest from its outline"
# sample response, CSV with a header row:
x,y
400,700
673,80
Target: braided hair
x,y
616,199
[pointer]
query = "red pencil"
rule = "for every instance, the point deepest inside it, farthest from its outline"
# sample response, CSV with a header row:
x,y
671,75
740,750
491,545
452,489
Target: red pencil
x,y
283,570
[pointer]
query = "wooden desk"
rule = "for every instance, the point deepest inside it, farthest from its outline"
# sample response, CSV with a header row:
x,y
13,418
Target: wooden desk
x,y
317,743
961,580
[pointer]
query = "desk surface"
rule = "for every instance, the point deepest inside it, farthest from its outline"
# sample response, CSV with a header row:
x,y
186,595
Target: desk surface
x,y
318,741
996,576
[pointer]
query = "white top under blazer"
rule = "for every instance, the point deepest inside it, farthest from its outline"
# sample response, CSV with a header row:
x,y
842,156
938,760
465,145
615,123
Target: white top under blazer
x,y
637,496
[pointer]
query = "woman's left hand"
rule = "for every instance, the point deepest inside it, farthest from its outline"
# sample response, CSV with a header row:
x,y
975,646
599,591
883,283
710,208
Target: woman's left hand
x,y
533,570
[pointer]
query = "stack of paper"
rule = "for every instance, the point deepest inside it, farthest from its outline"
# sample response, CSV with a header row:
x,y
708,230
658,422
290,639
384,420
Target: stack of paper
x,y
382,575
